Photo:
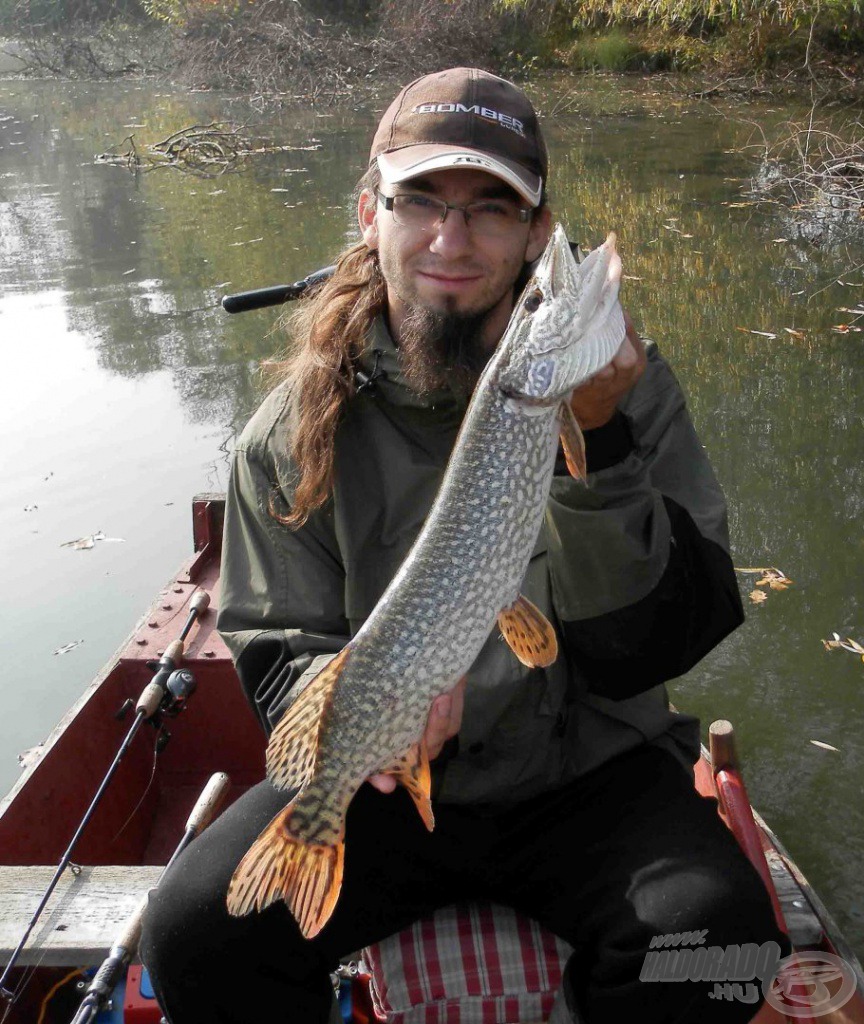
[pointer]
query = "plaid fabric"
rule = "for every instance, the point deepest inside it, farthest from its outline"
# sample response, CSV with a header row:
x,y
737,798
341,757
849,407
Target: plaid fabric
x,y
467,964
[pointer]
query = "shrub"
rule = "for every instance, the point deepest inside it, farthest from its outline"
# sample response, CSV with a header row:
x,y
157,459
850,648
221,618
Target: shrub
x,y
609,51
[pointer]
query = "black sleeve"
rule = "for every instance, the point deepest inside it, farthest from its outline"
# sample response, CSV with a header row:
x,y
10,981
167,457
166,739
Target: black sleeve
x,y
694,606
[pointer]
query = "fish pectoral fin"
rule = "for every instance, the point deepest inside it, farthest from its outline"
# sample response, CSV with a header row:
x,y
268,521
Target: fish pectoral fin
x,y
307,876
412,771
572,442
530,635
293,747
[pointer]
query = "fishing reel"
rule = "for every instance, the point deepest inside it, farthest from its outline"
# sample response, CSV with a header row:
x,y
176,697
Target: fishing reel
x,y
167,693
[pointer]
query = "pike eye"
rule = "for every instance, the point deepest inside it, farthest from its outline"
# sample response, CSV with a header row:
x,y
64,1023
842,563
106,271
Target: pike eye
x,y
532,303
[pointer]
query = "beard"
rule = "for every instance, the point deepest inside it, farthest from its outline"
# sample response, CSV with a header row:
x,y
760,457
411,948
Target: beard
x,y
441,349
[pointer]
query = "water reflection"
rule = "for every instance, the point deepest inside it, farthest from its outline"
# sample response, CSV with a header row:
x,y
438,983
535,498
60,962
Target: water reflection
x,y
128,383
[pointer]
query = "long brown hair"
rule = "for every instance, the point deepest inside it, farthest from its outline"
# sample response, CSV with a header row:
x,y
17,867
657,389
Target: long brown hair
x,y
329,332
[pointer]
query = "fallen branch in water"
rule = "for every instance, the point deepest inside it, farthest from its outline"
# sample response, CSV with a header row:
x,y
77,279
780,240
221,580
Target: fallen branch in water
x,y
206,150
814,165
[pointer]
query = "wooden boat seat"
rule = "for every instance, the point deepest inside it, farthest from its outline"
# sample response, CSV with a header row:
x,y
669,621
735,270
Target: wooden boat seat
x,y
86,911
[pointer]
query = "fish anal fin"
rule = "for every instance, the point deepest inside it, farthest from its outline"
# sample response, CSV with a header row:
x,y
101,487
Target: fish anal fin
x,y
412,771
307,876
293,747
572,442
529,634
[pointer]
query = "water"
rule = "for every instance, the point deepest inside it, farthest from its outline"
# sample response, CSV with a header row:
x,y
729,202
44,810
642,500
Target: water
x,y
124,383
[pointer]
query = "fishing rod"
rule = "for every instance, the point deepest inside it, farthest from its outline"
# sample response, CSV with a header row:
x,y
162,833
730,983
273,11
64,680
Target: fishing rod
x,y
165,695
125,944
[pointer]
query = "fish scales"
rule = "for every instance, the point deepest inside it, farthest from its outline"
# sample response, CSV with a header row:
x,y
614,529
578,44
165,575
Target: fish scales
x,y
467,564
366,711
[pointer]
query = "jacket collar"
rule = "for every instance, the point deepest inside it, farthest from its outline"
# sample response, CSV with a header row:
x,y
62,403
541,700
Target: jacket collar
x,y
380,359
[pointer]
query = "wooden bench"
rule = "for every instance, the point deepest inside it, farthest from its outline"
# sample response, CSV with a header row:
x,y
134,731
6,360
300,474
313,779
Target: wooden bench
x,y
83,917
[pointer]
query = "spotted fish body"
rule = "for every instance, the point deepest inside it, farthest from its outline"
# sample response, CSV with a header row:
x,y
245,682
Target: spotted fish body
x,y
366,711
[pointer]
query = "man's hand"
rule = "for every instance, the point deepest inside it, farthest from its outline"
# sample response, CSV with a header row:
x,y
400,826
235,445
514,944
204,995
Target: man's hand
x,y
595,402
444,721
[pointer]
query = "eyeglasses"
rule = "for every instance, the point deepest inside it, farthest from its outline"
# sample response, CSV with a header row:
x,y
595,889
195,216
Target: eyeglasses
x,y
488,217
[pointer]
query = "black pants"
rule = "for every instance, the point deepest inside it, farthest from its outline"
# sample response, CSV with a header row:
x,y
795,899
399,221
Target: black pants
x,y
620,856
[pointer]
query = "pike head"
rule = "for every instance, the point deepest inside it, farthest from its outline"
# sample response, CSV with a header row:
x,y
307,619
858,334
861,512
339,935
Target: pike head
x,y
566,325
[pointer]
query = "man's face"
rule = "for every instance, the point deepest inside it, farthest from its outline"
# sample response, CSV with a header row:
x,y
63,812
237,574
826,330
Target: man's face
x,y
451,270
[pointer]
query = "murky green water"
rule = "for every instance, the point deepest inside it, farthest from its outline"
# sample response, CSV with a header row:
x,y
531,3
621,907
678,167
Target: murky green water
x,y
123,382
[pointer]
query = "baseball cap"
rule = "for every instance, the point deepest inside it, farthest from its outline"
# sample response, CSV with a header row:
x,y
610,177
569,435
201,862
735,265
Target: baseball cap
x,y
462,117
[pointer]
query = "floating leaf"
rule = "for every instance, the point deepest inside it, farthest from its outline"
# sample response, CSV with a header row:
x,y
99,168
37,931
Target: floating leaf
x,y
845,645
762,334
771,577
66,648
774,579
824,746
82,544
86,543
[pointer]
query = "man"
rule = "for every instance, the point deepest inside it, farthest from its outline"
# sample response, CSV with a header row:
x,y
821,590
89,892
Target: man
x,y
564,792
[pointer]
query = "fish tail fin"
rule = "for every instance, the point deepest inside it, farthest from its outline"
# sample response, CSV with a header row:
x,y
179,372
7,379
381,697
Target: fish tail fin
x,y
307,876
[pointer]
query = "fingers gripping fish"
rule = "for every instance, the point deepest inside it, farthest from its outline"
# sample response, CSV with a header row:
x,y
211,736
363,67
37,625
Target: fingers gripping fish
x,y
366,711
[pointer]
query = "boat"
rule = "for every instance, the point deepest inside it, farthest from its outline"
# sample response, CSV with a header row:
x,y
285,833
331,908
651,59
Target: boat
x,y
140,821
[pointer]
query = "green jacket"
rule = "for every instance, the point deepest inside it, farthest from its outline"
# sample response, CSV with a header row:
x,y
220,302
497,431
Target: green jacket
x,y
633,569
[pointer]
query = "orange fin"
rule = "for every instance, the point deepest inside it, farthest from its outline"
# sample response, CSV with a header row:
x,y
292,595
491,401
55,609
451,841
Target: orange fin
x,y
411,770
307,876
572,442
529,633
293,747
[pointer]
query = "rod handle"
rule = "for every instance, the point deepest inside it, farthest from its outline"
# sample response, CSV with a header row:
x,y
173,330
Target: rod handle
x,y
200,602
208,803
258,298
150,699
129,938
175,651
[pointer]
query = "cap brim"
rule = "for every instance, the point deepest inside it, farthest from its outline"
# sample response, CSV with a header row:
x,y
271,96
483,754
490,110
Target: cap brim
x,y
413,161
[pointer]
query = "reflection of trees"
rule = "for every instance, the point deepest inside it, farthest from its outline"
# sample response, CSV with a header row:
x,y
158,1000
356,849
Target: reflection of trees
x,y
783,421
765,406
145,260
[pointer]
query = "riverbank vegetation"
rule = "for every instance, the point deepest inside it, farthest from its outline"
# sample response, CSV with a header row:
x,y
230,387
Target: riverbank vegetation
x,y
303,46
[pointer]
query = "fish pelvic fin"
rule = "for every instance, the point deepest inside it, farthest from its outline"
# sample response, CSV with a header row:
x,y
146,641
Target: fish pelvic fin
x,y
293,748
412,771
306,876
529,634
572,441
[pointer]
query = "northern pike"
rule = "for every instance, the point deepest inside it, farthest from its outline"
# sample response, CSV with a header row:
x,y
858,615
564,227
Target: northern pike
x,y
366,711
